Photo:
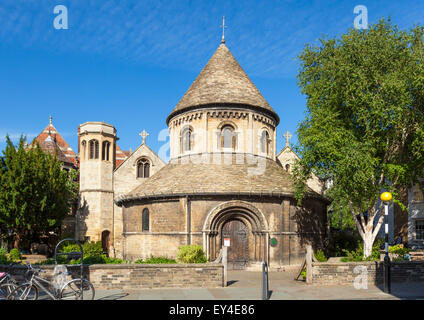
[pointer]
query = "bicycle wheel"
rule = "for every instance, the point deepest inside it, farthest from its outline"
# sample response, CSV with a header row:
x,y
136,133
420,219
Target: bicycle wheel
x,y
6,289
72,290
25,291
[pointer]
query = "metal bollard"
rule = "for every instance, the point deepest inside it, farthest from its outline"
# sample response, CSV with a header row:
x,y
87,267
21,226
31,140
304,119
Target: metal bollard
x,y
265,282
386,263
386,197
387,278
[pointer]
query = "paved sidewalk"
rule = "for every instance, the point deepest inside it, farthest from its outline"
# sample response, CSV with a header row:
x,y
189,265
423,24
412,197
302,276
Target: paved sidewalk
x,y
246,285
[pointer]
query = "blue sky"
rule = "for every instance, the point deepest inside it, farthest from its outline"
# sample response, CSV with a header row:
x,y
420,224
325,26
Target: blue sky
x,y
128,63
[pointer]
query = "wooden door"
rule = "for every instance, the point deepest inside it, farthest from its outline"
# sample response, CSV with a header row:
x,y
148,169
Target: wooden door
x,y
238,252
105,241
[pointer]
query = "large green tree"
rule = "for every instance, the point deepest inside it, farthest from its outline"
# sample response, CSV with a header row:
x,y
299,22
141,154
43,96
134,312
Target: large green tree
x,y
35,192
364,124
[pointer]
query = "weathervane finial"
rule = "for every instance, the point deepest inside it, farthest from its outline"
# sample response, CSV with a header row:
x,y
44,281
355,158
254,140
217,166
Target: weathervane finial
x,y
223,27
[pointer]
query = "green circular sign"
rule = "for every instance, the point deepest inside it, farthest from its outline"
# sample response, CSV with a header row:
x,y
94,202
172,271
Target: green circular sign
x,y
273,242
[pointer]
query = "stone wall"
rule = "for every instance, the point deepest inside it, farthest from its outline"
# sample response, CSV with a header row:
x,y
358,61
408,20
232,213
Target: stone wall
x,y
136,276
291,226
206,126
344,273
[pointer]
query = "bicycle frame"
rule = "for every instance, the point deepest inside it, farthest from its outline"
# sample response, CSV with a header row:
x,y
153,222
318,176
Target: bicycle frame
x,y
6,278
35,280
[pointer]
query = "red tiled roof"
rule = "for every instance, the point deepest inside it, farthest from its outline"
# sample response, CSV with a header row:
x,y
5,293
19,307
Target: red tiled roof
x,y
121,156
66,150
59,141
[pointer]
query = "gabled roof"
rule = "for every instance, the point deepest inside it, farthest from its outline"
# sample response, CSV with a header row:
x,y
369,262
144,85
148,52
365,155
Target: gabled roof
x,y
223,81
288,149
128,155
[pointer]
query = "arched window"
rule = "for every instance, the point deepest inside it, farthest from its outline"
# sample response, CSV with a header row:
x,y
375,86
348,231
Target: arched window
x,y
228,137
94,149
105,150
84,149
145,220
186,139
143,168
265,142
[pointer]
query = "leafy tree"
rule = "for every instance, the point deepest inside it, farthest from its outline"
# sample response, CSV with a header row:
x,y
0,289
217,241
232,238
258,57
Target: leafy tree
x,y
35,193
340,217
364,124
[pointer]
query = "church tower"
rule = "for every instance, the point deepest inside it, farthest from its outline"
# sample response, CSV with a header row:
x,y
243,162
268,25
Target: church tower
x,y
97,149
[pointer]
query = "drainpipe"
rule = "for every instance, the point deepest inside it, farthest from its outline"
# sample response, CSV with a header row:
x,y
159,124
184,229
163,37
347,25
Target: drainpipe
x,y
188,220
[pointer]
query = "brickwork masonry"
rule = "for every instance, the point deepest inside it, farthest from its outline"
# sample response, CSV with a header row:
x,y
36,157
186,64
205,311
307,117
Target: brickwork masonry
x,y
137,276
345,273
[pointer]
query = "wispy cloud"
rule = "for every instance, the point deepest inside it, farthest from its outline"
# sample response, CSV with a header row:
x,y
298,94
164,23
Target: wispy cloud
x,y
170,34
265,37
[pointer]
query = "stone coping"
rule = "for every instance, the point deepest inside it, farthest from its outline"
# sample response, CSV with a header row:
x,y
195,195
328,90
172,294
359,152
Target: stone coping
x,y
364,262
343,263
127,265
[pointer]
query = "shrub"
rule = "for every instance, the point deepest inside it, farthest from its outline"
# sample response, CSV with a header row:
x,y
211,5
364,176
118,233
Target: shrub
x,y
15,255
155,260
94,259
92,249
191,254
3,256
399,251
102,259
69,247
89,248
114,260
357,255
92,254
320,256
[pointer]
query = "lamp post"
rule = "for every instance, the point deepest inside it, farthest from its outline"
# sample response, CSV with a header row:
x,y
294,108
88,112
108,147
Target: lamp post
x,y
386,197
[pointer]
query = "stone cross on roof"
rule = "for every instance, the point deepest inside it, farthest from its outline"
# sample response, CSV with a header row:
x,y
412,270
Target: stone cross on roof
x,y
223,27
143,135
287,136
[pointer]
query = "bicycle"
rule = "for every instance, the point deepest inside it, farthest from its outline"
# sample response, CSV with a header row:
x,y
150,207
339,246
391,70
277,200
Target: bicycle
x,y
75,289
7,283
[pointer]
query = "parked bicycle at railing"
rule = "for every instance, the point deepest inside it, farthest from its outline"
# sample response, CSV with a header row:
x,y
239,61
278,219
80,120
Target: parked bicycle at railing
x,y
57,289
7,283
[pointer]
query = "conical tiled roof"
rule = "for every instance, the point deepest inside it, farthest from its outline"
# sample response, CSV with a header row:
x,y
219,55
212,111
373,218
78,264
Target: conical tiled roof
x,y
223,81
51,131
51,147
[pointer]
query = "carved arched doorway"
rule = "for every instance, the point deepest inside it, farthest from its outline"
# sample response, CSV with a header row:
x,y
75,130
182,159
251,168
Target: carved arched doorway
x,y
246,227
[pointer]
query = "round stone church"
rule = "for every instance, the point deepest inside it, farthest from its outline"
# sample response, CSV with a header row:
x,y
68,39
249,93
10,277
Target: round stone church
x,y
225,180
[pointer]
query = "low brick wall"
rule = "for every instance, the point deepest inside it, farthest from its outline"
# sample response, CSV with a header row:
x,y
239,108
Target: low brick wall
x,y
136,276
343,273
